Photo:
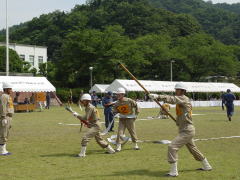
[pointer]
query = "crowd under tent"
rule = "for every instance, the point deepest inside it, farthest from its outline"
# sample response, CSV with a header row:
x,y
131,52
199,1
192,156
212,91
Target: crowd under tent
x,y
28,92
99,88
168,86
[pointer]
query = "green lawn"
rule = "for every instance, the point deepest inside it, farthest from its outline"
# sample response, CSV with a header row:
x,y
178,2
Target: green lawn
x,y
43,149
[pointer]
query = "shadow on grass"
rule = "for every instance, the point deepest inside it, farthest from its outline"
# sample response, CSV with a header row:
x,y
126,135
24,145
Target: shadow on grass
x,y
128,174
139,172
73,154
146,172
59,155
125,174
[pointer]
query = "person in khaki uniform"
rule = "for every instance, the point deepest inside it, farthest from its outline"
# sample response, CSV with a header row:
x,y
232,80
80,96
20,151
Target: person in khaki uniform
x,y
186,129
162,113
128,111
6,112
92,119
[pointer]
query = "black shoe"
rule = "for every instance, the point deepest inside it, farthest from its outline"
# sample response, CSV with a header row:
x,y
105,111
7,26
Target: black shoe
x,y
229,118
201,169
111,130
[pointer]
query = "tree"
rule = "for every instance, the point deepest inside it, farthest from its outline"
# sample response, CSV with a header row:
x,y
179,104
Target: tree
x,y
198,56
15,63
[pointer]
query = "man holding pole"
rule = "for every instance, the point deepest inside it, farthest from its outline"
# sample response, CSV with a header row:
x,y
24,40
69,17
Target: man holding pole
x,y
92,120
6,112
186,129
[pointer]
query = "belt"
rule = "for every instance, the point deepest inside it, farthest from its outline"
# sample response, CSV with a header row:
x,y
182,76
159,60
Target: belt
x,y
9,115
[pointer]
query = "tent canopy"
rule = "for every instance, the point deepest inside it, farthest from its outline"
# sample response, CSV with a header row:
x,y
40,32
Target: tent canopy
x,y
28,84
99,88
168,86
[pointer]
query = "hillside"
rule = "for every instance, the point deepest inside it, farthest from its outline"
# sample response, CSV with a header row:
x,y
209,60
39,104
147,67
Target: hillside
x,y
219,20
145,38
230,7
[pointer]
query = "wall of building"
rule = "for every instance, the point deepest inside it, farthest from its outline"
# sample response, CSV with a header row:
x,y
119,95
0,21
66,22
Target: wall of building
x,y
30,53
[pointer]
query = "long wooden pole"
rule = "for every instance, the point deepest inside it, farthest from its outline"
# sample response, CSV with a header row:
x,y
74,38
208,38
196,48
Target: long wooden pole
x,y
146,91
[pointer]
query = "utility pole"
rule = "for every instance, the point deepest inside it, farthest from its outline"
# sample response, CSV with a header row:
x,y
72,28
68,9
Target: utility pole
x,y
7,41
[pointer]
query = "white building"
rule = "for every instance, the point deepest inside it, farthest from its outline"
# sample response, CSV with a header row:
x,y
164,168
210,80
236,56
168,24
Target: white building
x,y
35,55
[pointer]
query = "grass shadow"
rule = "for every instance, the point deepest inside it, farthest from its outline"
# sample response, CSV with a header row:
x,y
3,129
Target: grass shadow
x,y
73,154
139,172
59,155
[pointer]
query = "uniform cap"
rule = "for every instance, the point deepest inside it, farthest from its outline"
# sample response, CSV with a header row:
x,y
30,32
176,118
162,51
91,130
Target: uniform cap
x,y
121,91
180,86
7,85
109,93
86,97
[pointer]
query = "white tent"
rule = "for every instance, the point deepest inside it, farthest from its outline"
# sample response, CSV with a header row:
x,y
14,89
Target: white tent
x,y
168,86
28,84
99,88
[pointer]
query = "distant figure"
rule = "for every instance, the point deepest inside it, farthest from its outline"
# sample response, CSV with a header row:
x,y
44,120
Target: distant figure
x,y
107,104
16,99
70,97
162,113
94,99
79,101
228,101
32,100
48,100
26,101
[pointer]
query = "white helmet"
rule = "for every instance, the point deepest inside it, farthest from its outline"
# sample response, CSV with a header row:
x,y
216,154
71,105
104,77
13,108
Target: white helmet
x,y
86,97
121,91
7,85
180,86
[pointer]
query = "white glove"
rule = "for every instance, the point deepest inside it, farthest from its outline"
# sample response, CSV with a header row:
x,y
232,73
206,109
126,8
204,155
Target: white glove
x,y
153,96
75,114
4,122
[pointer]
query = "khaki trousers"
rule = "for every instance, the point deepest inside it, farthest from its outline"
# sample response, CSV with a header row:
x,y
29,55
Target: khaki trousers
x,y
184,138
94,131
130,125
4,130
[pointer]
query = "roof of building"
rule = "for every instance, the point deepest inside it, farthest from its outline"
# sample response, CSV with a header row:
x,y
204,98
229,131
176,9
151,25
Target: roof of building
x,y
28,84
99,88
168,86
16,44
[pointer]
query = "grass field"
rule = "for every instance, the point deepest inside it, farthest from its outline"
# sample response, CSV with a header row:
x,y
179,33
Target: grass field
x,y
43,149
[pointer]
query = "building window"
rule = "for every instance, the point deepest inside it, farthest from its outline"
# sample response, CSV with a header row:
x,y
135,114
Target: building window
x,y
40,60
31,60
22,57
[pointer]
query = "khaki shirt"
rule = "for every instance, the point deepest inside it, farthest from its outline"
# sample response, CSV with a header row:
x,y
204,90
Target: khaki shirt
x,y
91,115
6,105
166,107
183,109
126,108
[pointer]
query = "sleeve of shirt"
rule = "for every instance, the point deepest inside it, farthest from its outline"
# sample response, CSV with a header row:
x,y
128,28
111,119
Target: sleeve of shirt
x,y
135,105
104,102
115,111
84,117
171,99
4,106
87,116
